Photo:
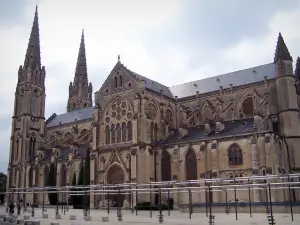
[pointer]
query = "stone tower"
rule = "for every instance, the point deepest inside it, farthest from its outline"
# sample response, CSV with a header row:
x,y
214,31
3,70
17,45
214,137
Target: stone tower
x,y
80,91
28,121
286,122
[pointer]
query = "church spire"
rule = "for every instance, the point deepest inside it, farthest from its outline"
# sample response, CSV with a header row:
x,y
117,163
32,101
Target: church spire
x,y
33,54
81,77
80,91
282,51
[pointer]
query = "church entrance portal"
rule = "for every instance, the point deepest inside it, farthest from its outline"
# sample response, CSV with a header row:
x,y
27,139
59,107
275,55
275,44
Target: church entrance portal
x,y
115,175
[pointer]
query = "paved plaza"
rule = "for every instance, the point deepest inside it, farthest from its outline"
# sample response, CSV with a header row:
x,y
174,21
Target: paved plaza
x,y
144,217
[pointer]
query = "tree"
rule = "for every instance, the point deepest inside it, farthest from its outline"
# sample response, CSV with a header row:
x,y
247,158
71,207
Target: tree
x,y
3,180
52,183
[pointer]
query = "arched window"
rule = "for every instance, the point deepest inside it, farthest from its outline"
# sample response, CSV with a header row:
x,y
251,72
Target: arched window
x,y
107,135
165,166
123,132
191,165
247,107
129,131
116,82
32,147
37,176
118,129
235,155
113,134
169,117
30,180
17,148
46,175
63,175
121,81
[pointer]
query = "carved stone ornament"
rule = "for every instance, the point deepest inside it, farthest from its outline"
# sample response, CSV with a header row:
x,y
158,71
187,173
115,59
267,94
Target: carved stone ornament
x,y
133,151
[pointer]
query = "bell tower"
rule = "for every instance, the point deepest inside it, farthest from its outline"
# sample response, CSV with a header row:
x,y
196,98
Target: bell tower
x,y
28,121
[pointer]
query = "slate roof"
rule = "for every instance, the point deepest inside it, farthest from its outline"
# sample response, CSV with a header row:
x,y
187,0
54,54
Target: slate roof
x,y
154,86
80,114
238,78
237,127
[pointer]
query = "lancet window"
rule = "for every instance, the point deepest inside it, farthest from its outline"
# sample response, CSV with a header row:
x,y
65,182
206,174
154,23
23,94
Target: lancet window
x,y
235,155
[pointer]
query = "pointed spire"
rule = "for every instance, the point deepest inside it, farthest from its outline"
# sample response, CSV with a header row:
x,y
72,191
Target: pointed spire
x,y
33,54
81,67
297,70
80,91
119,58
282,51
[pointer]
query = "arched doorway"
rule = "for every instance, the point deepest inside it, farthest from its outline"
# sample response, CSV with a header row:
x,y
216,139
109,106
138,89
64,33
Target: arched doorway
x,y
115,175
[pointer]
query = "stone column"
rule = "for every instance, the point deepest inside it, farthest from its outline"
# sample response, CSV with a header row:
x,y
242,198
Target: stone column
x,y
133,172
92,180
255,165
215,166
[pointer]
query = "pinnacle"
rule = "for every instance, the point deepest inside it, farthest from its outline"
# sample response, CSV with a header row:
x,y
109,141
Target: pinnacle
x,y
33,55
81,67
281,51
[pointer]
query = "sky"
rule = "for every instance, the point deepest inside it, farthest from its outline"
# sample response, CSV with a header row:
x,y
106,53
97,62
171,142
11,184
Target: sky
x,y
169,41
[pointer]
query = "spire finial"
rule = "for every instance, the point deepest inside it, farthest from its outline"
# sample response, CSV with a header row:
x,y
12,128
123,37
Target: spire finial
x,y
281,50
119,58
33,57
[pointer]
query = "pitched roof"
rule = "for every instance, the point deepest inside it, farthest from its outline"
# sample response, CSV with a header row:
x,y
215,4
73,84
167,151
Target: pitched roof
x,y
70,117
236,127
237,78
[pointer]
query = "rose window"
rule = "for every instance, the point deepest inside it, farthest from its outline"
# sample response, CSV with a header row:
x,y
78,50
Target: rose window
x,y
119,110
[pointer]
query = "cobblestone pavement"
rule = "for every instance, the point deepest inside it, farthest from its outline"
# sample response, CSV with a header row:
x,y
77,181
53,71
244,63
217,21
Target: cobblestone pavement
x,y
176,218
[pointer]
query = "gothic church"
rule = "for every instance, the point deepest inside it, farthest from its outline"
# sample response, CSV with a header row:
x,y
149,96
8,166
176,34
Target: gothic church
x,y
137,130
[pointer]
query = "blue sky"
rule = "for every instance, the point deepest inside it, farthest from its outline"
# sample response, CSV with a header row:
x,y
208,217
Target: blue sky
x,y
170,41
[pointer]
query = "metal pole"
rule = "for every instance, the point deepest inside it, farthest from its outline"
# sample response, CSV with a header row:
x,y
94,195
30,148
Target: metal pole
x,y
151,199
290,198
169,203
190,203
236,217
249,193
226,199
206,211
43,210
136,199
57,212
271,208
119,212
209,199
160,215
108,202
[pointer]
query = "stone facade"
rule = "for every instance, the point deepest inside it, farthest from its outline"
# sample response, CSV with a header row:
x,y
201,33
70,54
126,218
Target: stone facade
x,y
238,124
